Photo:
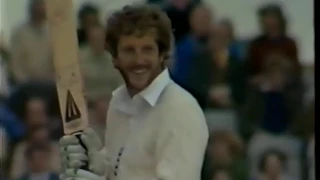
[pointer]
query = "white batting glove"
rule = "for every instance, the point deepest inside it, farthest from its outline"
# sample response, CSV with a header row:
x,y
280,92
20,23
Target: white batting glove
x,y
79,174
73,155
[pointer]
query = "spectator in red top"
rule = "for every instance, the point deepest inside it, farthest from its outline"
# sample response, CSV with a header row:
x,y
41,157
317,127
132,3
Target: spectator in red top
x,y
274,39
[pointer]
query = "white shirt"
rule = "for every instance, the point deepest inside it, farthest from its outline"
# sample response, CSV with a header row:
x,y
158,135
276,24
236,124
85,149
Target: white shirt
x,y
160,133
145,99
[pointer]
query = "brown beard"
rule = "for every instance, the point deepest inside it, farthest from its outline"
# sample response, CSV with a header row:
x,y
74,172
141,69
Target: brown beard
x,y
131,89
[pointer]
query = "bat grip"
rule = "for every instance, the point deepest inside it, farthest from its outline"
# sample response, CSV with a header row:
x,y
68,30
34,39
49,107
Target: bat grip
x,y
86,165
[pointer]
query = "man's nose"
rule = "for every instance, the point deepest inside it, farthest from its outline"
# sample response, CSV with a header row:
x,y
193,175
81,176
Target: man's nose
x,y
140,58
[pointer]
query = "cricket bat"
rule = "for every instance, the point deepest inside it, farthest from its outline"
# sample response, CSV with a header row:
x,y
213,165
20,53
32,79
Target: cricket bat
x,y
66,63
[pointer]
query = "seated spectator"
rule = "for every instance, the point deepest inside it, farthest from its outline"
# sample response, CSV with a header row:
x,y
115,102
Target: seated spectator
x,y
273,166
274,39
225,150
88,16
31,58
217,75
201,21
220,79
286,144
38,165
274,97
36,135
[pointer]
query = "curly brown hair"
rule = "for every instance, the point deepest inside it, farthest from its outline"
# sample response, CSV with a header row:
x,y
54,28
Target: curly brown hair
x,y
138,20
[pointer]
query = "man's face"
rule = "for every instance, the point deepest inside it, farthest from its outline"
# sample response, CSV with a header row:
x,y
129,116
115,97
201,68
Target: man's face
x,y
201,21
270,23
138,60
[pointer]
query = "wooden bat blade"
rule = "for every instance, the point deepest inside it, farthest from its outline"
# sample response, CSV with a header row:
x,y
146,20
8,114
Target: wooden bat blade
x,y
66,62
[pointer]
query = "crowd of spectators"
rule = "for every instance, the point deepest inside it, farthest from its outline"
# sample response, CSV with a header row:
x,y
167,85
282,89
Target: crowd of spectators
x,y
257,97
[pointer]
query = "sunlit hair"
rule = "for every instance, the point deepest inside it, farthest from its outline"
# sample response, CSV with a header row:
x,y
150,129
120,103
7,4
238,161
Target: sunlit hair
x,y
138,20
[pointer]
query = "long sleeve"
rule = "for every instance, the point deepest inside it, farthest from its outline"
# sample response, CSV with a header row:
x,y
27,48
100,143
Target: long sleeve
x,y
181,145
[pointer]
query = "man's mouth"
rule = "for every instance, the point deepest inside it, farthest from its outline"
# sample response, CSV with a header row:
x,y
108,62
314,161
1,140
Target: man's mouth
x,y
139,71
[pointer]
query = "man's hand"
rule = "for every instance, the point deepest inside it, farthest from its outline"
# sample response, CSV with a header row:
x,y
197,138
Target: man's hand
x,y
74,156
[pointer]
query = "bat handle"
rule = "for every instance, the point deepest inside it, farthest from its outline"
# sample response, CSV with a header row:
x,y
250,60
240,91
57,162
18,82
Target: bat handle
x,y
86,165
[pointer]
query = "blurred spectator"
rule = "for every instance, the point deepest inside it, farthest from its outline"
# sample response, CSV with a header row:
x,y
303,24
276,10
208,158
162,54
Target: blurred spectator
x,y
225,150
4,145
273,166
217,75
36,135
88,16
31,56
274,97
311,159
100,77
237,47
38,157
201,20
285,144
36,113
179,13
274,39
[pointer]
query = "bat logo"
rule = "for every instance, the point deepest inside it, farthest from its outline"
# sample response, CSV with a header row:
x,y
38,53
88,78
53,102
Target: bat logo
x,y
72,110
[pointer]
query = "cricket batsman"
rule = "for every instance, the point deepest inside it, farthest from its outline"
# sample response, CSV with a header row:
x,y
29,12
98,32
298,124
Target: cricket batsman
x,y
155,129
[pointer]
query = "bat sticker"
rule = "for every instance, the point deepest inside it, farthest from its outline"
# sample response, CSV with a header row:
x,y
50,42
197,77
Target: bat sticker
x,y
72,110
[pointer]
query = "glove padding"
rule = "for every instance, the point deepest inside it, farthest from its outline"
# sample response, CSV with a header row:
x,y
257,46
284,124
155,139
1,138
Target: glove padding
x,y
79,174
73,155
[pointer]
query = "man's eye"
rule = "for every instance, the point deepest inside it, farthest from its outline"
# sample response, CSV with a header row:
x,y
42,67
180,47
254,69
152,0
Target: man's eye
x,y
148,49
128,50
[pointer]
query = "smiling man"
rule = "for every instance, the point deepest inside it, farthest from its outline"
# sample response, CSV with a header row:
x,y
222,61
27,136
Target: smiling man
x,y
155,129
